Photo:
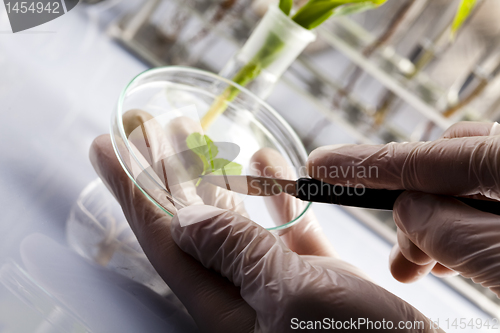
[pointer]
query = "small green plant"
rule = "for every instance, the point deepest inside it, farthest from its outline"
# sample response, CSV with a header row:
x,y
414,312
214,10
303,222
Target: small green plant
x,y
309,16
207,151
464,10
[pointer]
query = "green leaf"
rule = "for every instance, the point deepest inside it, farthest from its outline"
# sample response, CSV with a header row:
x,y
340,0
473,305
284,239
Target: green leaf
x,y
223,166
319,20
315,12
196,142
204,147
463,12
286,6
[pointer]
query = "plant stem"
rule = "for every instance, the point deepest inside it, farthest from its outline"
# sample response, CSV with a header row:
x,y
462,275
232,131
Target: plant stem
x,y
199,179
262,59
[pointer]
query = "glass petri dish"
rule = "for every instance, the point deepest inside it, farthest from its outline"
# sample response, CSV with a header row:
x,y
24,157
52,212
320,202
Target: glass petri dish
x,y
158,120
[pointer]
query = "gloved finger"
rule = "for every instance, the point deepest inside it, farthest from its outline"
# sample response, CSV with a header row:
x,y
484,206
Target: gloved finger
x,y
410,251
148,137
145,134
468,129
458,236
177,131
404,270
459,166
407,262
443,271
214,303
306,237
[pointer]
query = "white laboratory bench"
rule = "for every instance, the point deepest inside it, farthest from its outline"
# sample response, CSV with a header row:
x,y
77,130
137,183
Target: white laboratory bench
x,y
58,86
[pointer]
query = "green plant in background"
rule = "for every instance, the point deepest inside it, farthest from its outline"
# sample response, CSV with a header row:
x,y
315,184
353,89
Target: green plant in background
x,y
207,151
309,16
315,12
463,13
286,6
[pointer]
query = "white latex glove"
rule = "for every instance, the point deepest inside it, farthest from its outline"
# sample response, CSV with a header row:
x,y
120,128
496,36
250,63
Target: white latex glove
x,y
235,276
434,232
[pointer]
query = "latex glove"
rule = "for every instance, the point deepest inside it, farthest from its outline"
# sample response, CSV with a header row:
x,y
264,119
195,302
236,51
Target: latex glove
x,y
434,232
238,277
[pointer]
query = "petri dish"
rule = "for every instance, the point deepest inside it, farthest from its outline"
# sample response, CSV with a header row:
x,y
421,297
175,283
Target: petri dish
x,y
157,123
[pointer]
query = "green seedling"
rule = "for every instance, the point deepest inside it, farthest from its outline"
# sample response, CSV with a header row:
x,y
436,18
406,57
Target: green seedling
x,y
207,151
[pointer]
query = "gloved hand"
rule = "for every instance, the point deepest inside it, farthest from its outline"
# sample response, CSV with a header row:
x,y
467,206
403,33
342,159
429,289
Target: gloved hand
x,y
435,233
235,276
